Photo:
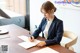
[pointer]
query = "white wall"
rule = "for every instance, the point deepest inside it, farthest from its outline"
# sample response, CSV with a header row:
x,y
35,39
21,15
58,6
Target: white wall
x,y
35,14
70,17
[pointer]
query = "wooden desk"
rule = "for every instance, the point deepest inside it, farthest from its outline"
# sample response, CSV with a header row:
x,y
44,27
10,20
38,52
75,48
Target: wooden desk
x,y
13,41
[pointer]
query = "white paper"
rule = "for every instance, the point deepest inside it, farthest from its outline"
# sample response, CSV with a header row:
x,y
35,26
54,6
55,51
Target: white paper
x,y
45,50
27,44
23,37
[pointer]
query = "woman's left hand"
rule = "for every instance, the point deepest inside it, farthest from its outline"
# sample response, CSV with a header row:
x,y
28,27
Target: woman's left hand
x,y
41,44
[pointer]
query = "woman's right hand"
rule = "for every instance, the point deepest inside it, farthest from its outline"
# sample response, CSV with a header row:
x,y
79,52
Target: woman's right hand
x,y
31,38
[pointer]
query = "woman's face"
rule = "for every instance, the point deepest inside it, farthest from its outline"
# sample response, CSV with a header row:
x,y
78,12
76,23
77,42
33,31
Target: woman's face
x,y
47,15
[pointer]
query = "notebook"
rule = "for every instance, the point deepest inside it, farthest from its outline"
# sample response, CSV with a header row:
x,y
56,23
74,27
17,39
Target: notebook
x,y
46,50
27,44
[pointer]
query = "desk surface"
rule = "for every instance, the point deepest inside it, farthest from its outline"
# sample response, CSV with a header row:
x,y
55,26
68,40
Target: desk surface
x,y
13,41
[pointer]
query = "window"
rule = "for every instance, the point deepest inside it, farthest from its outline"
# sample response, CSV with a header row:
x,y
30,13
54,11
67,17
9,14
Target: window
x,y
2,4
18,6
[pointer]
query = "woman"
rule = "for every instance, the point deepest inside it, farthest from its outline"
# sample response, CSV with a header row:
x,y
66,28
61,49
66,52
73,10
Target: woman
x,y
51,27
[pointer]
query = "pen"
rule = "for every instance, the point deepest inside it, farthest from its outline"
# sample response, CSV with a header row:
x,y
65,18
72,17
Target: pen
x,y
30,35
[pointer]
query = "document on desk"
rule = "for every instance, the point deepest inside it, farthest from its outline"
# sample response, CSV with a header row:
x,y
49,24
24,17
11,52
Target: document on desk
x,y
23,37
46,50
27,44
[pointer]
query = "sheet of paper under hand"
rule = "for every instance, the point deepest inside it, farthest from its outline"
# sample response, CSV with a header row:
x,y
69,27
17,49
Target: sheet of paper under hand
x,y
23,37
27,44
45,50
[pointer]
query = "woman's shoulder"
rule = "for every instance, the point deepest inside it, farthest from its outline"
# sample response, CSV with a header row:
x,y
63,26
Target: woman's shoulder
x,y
57,19
43,19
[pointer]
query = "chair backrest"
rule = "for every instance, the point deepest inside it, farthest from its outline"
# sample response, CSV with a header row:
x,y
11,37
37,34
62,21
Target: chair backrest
x,y
71,36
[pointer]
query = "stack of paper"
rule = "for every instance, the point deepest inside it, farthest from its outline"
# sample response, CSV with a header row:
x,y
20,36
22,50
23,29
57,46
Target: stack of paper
x,y
45,50
27,44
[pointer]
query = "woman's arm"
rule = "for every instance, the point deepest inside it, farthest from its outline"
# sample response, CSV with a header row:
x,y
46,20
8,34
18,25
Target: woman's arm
x,y
39,29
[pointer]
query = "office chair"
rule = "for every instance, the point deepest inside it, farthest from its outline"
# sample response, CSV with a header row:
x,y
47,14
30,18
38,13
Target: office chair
x,y
68,40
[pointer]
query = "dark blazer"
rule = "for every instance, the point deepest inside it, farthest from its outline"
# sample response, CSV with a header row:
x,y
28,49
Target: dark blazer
x,y
55,31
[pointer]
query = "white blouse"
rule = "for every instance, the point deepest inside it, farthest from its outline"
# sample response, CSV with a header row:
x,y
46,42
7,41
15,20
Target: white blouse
x,y
47,28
